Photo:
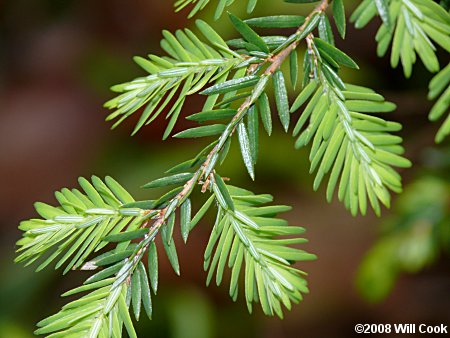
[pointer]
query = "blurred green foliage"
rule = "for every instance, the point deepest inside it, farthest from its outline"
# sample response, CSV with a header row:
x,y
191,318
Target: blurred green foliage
x,y
414,236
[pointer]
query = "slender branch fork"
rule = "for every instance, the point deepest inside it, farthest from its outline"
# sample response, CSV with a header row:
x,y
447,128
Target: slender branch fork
x,y
203,174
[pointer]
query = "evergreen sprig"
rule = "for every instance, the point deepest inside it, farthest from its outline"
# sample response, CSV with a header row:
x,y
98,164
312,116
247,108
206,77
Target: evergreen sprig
x,y
101,228
100,313
201,4
244,234
440,85
412,27
348,142
190,65
80,225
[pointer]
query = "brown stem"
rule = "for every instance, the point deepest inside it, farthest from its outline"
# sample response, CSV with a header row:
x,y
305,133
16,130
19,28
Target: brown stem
x,y
278,60
275,63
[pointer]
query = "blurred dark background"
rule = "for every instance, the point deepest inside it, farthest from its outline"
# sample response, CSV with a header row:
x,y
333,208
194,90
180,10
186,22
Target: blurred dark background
x,y
57,60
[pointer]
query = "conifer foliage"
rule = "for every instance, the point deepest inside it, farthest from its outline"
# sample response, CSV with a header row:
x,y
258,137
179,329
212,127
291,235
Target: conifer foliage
x,y
101,228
